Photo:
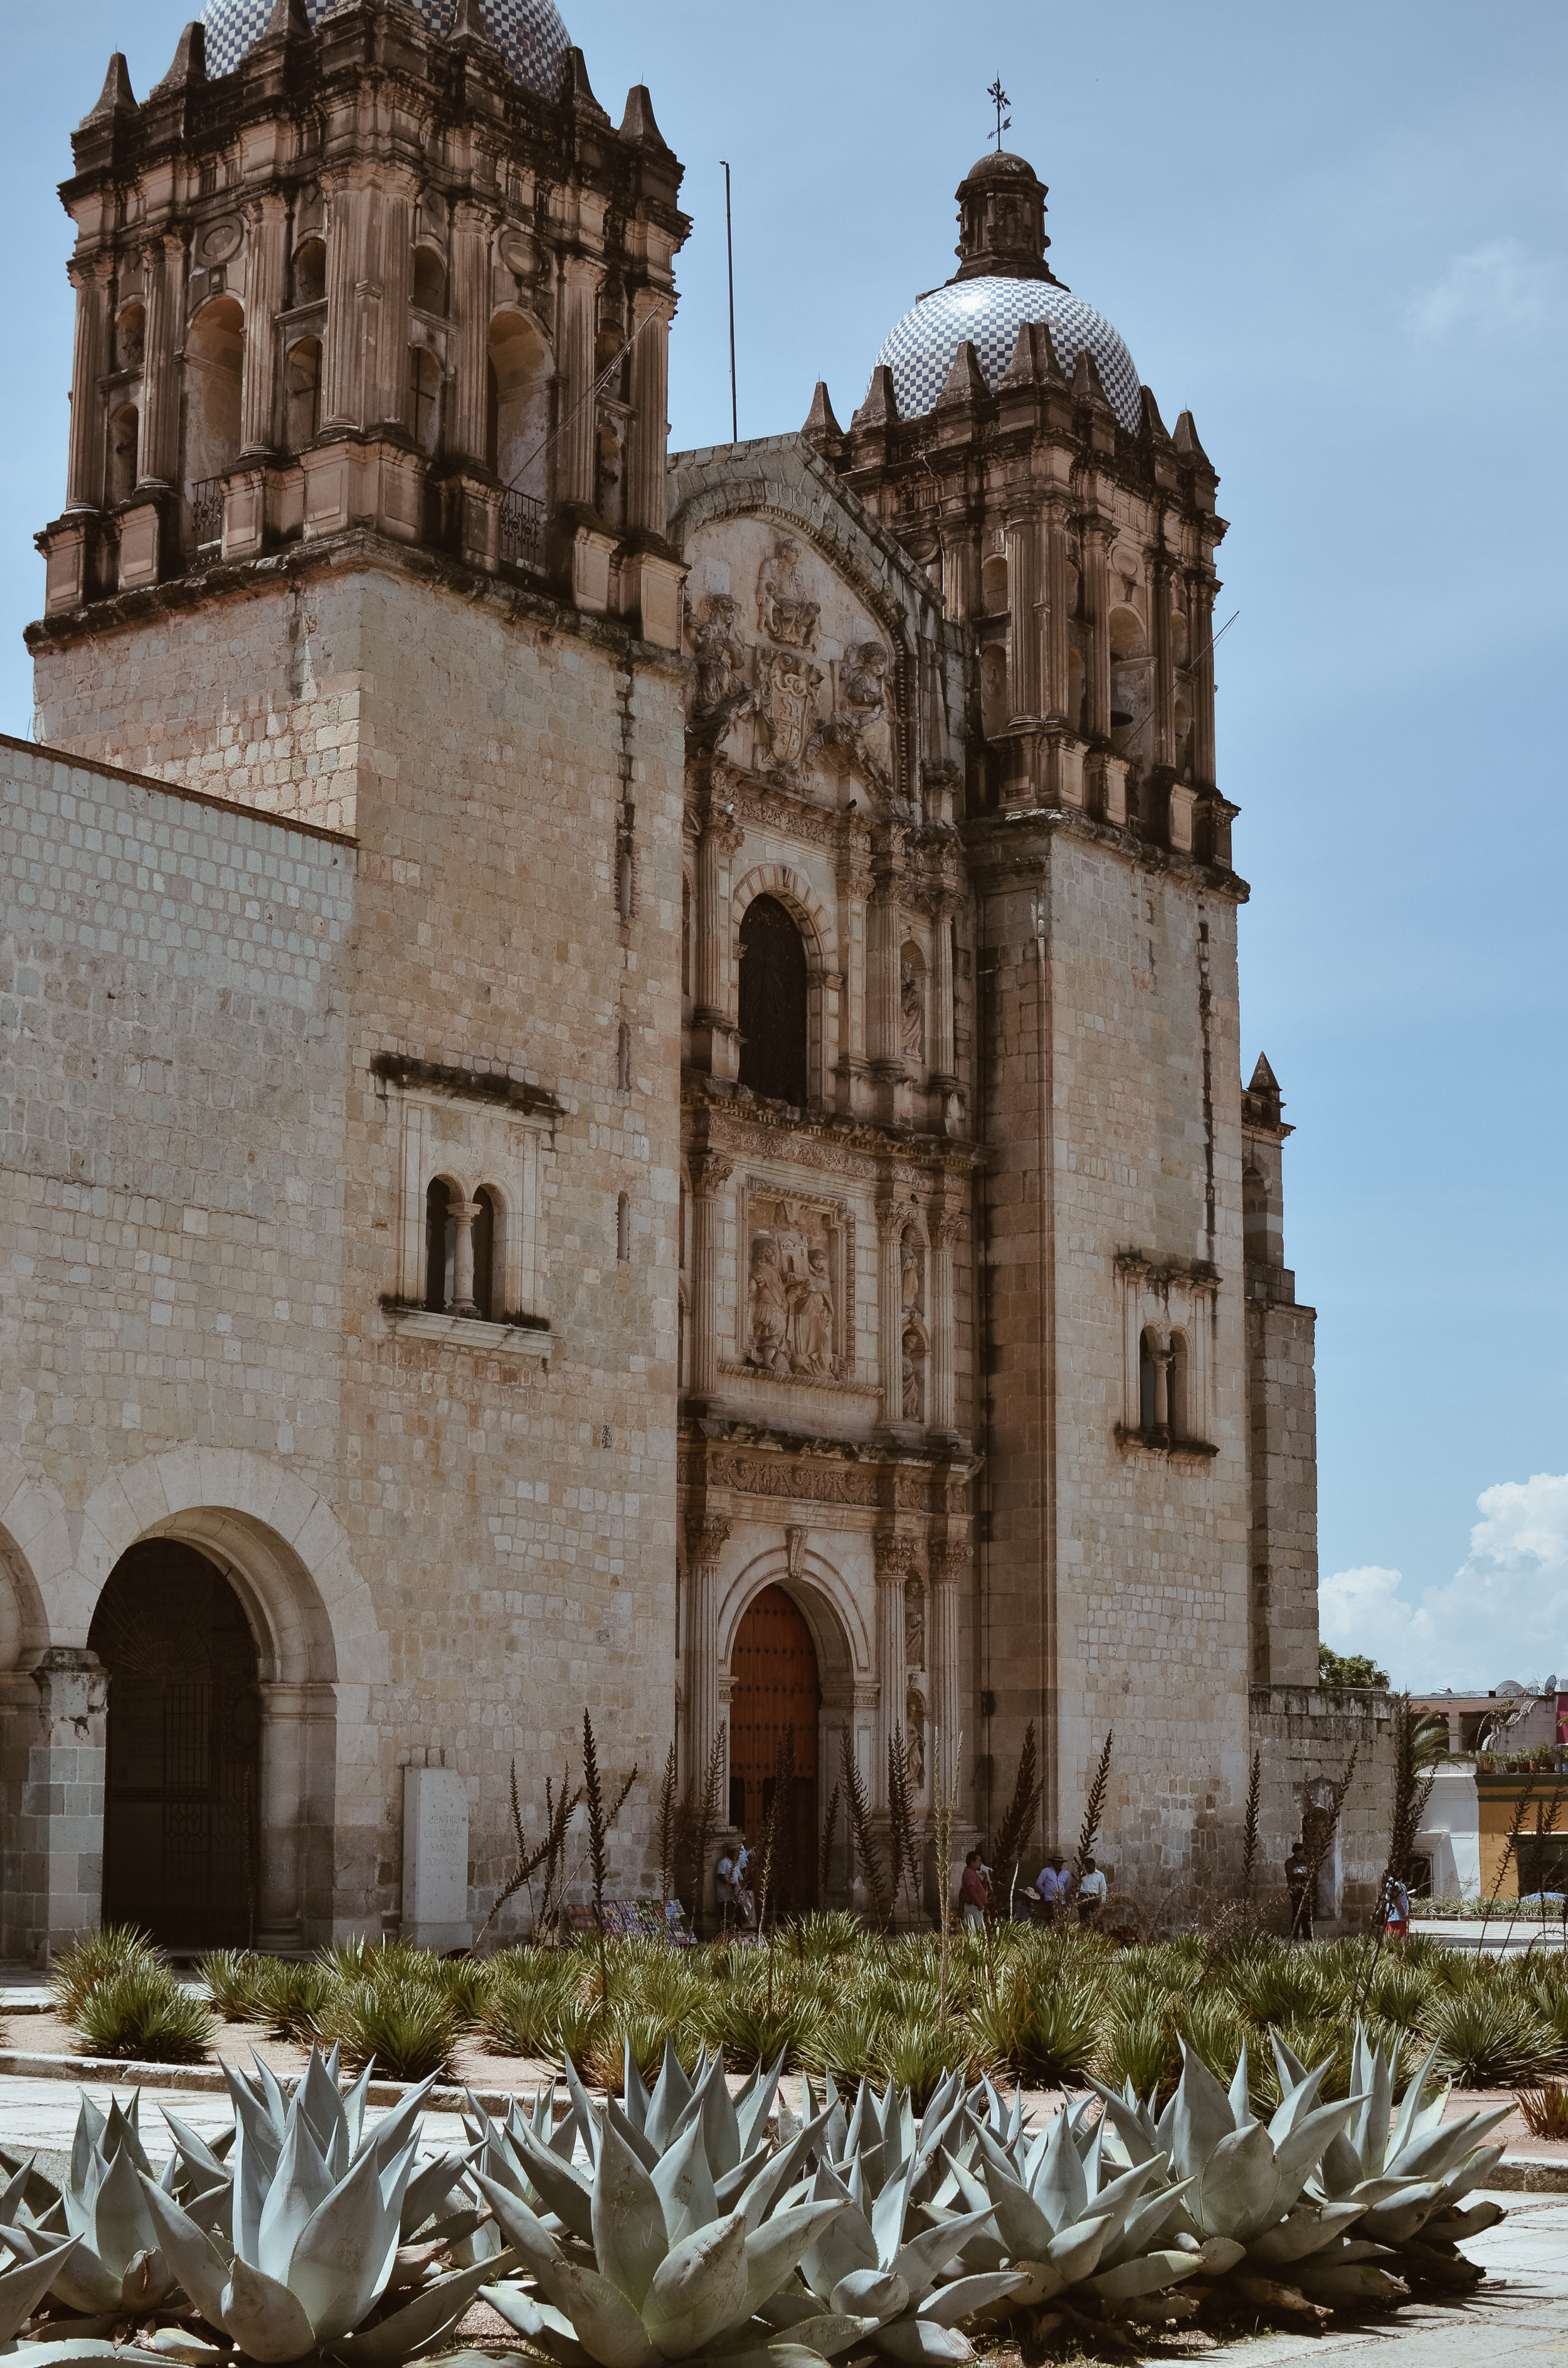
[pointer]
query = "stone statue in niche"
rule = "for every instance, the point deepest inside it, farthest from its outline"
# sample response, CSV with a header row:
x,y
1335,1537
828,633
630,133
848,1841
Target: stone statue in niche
x,y
911,1015
915,1735
909,1275
793,1311
786,709
914,1351
722,692
913,1624
784,612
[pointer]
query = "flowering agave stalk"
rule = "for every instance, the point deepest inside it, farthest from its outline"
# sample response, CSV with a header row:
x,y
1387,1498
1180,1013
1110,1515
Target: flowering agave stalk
x,y
116,2263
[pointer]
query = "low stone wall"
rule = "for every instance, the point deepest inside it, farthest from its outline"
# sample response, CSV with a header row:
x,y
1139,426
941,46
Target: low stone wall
x,y
1305,1735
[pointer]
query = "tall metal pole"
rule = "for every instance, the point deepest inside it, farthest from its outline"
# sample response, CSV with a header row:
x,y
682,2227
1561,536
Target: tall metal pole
x,y
730,244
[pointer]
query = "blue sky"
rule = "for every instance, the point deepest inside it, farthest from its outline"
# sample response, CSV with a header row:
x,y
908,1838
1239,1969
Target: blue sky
x,y
1341,236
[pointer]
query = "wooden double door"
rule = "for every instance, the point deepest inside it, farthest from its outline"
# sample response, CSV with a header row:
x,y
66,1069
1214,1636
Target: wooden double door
x,y
776,1691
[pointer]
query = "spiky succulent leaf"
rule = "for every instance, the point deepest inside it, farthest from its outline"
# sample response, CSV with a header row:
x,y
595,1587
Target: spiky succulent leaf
x,y
698,2290
264,2320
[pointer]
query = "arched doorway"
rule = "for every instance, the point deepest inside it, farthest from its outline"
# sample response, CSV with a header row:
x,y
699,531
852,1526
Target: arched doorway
x,y
776,1686
182,1794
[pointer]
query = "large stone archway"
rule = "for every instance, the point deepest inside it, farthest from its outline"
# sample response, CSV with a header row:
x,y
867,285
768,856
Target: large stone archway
x,y
320,1651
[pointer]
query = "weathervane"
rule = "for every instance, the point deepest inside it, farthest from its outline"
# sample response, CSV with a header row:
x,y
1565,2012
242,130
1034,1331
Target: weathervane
x,y
999,99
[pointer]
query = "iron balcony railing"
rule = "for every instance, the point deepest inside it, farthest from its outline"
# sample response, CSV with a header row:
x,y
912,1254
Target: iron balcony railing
x,y
522,530
207,511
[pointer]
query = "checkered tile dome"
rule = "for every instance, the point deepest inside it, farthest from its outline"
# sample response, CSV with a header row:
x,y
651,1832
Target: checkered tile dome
x,y
919,350
528,34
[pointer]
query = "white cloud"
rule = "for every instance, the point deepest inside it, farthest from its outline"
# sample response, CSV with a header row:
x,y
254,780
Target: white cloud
x,y
1495,291
1503,1615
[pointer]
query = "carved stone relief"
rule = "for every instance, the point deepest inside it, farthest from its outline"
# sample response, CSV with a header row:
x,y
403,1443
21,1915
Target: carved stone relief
x,y
794,1289
911,1015
783,610
787,686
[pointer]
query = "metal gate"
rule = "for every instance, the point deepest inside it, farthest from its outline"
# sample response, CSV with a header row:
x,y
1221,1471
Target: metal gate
x,y
181,1805
775,1687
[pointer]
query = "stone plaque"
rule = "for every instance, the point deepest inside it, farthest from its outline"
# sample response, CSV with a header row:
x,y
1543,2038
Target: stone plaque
x,y
435,1859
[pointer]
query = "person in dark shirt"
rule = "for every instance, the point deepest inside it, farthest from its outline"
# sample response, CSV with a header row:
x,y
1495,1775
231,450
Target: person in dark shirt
x,y
1298,1882
974,1892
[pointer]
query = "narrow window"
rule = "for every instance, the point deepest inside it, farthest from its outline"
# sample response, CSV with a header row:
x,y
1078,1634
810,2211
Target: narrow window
x,y
1145,1384
773,1003
486,1239
440,1249
309,271
623,1228
1177,1417
430,280
423,399
624,1060
623,885
302,376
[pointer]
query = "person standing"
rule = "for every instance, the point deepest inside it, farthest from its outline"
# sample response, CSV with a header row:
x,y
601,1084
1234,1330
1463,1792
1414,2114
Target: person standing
x,y
1298,1882
729,1883
1052,1883
974,1892
1396,1908
1092,1890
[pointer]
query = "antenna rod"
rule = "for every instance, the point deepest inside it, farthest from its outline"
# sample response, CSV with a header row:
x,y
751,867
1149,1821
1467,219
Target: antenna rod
x,y
730,244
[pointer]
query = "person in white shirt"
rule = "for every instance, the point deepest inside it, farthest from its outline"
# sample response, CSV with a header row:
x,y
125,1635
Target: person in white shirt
x,y
731,1887
1091,1892
1052,1883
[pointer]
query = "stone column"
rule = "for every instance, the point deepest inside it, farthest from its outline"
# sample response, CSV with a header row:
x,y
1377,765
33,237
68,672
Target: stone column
x,y
469,300
1023,600
1201,660
647,495
576,427
1097,604
463,1303
1055,690
943,1070
894,1559
855,886
265,285
706,1535
343,372
884,1029
949,1568
892,1219
157,460
1164,748
941,1409
85,466
710,1173
960,569
61,1825
286,1710
386,393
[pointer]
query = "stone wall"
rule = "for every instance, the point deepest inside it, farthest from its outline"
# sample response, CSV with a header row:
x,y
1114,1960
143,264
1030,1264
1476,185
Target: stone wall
x,y
1305,1735
240,1050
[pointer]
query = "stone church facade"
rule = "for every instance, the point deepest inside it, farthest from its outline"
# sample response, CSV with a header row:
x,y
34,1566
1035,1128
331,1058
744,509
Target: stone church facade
x,y
623,1070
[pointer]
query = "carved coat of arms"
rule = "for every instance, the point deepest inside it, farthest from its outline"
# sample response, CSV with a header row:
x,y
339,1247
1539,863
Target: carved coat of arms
x,y
788,683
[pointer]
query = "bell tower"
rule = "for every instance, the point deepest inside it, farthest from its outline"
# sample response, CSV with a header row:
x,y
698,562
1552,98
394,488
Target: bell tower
x,y
378,275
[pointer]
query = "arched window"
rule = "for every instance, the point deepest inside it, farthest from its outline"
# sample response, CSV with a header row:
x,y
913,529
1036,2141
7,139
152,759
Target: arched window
x,y
302,382
521,370
214,362
994,594
1148,1382
129,336
440,1247
309,271
462,1253
430,280
773,1003
424,400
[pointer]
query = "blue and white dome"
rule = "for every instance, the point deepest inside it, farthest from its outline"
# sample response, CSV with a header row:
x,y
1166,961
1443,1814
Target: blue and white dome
x,y
990,311
528,34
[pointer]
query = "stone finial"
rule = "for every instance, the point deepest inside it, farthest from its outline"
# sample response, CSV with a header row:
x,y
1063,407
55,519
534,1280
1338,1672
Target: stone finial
x,y
117,97
469,28
1151,426
1087,385
190,64
1262,1101
1034,361
577,90
1186,443
820,426
638,123
287,22
880,406
965,381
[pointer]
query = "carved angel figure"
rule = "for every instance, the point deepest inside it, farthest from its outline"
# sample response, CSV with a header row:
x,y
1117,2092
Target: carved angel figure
x,y
783,610
811,1305
768,1310
720,651
911,1015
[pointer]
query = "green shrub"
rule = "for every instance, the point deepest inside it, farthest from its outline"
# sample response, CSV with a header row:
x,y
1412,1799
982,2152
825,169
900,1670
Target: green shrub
x,y
523,1995
750,2031
1140,2047
138,2012
236,1982
848,2043
293,1996
1488,2040
1058,2028
404,2022
109,1951
916,2056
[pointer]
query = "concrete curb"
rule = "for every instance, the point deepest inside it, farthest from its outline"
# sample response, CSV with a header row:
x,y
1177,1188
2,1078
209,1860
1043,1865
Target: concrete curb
x,y
207,2079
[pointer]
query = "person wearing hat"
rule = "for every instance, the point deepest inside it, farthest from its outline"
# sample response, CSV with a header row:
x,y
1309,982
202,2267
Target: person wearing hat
x,y
1053,1882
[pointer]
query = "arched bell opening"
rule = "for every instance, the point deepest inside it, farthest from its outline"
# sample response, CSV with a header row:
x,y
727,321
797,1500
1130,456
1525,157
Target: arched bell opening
x,y
182,1804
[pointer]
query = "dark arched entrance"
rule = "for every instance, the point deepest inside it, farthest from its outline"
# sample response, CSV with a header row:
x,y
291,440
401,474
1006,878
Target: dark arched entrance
x,y
773,1003
181,1851
774,1666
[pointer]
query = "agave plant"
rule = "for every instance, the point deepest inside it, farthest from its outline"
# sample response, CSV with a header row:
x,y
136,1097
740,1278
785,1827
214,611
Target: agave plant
x,y
319,2207
114,2262
682,2260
